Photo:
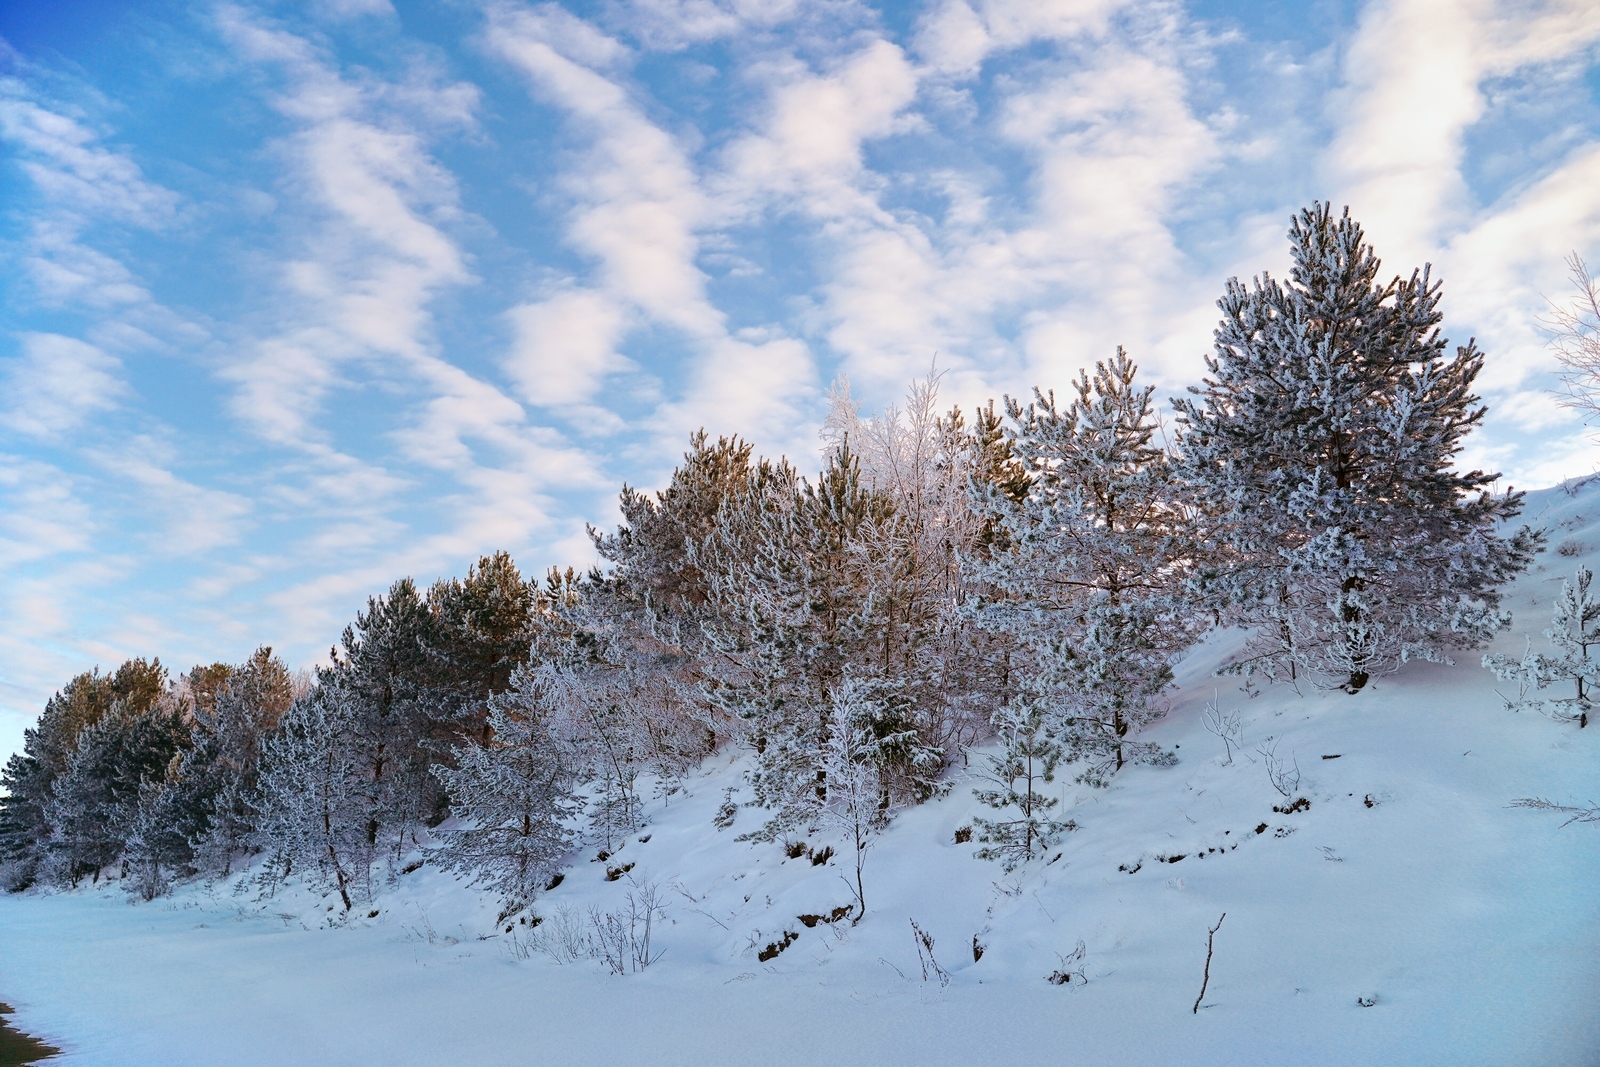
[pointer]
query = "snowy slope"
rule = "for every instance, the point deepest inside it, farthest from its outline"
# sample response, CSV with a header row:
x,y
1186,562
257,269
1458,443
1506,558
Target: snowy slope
x,y
1473,925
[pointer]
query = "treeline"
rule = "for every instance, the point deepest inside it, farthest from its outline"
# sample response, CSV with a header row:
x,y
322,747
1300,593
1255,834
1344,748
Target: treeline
x,y
1025,577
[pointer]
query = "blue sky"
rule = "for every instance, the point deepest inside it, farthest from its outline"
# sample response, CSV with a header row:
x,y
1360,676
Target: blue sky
x,y
300,298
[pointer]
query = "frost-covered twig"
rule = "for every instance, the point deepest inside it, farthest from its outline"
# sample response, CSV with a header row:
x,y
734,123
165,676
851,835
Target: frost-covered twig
x,y
1589,814
1226,726
1072,967
622,939
1284,779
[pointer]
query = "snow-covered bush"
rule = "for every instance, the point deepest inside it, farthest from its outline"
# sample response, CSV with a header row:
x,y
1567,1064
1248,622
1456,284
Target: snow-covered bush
x,y
1574,630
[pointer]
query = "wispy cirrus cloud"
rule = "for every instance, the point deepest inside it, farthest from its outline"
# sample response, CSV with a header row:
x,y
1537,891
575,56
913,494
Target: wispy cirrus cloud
x,y
370,251
59,382
1417,78
638,211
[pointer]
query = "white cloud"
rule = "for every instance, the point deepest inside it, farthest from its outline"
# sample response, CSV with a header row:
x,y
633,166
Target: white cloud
x,y
638,202
346,9
1504,269
1414,88
368,269
638,209
955,37
43,514
1413,85
810,144
672,24
58,383
189,518
61,157
1111,142
565,347
82,187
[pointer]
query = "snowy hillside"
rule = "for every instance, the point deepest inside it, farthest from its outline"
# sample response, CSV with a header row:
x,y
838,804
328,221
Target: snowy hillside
x,y
1408,915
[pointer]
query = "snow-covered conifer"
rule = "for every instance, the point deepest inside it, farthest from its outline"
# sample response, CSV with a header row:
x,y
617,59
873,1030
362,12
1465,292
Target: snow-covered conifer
x,y
858,575
28,782
96,801
513,795
155,848
382,672
1086,573
1321,452
1574,630
315,797
482,628
214,785
1017,775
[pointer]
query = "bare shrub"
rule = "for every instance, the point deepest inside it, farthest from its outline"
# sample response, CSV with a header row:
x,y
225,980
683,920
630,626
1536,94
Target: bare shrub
x,y
563,936
622,938
1226,726
931,971
1589,814
1071,971
1284,779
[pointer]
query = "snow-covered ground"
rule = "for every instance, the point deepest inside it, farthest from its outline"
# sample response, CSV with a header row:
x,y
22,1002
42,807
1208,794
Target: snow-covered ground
x,y
1472,926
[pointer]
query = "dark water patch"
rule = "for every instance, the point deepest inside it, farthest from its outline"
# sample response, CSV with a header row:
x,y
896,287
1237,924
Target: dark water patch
x,y
18,1049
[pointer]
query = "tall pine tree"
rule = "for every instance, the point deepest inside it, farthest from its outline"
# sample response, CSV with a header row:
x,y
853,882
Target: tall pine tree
x,y
1321,449
1092,557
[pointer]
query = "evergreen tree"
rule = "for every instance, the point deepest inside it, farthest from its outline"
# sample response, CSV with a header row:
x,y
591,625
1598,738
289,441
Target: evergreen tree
x,y
803,573
950,672
1017,774
483,628
315,791
1087,580
155,847
640,628
30,776
513,795
1574,630
214,787
1321,449
95,802
382,673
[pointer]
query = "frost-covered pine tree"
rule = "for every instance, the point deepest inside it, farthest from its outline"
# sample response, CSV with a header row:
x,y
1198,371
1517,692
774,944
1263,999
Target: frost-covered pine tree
x,y
1086,581
30,779
855,798
1321,452
155,848
96,802
315,792
513,795
1025,764
385,673
1574,631
215,783
812,587
951,670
